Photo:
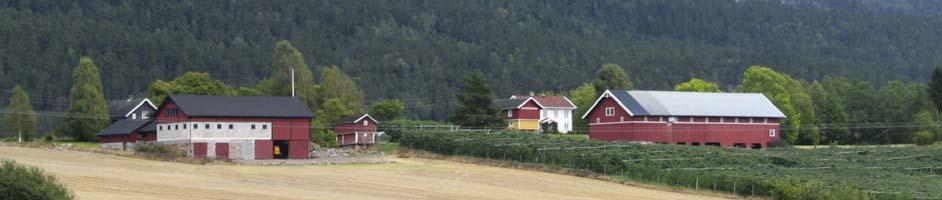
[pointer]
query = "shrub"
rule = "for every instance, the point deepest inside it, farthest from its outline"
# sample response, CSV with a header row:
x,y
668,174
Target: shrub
x,y
923,138
160,150
25,182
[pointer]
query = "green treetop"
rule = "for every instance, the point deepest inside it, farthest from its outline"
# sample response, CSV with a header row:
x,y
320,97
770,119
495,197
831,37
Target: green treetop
x,y
697,85
87,113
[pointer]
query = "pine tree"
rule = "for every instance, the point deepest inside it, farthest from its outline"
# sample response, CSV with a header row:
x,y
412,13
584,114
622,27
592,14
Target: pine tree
x,y
935,89
87,113
477,103
279,84
20,117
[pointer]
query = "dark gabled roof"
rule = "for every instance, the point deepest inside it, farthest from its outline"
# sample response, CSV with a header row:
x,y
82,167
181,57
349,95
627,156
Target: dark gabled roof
x,y
671,103
510,104
124,127
149,128
241,106
356,118
120,108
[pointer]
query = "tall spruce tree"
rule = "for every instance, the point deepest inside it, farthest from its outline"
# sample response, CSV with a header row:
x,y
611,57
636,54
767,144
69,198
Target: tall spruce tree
x,y
19,116
87,113
612,77
279,84
935,90
477,104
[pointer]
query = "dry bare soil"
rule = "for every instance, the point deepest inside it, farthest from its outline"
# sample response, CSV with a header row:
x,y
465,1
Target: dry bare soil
x,y
99,176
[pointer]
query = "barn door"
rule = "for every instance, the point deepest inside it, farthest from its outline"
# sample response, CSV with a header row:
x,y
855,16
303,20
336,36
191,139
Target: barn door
x,y
199,150
222,150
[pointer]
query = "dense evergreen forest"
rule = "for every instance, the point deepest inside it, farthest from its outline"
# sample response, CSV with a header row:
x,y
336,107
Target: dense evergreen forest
x,y
419,50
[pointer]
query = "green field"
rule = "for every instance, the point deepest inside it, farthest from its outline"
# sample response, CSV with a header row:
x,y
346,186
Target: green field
x,y
882,172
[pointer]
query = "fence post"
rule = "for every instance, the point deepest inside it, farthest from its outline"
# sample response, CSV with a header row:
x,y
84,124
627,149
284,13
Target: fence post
x,y
734,187
697,183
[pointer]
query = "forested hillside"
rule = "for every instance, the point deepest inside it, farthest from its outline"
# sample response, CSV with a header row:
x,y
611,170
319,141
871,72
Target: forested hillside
x,y
419,50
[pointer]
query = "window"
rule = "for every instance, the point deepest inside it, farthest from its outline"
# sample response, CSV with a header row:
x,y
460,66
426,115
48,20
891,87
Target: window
x,y
622,118
750,121
253,126
265,126
598,120
610,111
691,119
144,114
176,127
184,126
771,132
366,122
510,113
766,120
660,119
645,118
196,126
230,126
207,126
133,116
160,128
218,126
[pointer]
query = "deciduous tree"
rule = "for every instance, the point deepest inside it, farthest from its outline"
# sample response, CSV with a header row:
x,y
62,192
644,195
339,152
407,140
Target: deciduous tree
x,y
775,86
197,83
386,110
612,77
287,58
19,116
583,96
697,85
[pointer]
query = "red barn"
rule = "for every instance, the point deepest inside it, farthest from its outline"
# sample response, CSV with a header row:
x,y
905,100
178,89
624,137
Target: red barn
x,y
356,130
236,127
685,118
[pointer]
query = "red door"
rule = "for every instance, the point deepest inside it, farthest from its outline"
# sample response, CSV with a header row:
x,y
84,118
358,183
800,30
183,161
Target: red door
x,y
222,150
199,150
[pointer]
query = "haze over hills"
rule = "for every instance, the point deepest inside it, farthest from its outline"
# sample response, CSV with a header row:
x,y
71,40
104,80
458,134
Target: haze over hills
x,y
418,50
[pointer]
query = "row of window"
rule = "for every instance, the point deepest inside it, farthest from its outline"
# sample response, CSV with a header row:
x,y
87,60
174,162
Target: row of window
x,y
206,126
555,113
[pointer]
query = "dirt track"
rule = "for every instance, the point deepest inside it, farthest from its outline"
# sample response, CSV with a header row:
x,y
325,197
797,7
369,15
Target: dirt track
x,y
98,176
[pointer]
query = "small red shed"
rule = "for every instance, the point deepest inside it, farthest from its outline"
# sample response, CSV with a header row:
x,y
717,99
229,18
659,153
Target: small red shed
x,y
356,131
685,118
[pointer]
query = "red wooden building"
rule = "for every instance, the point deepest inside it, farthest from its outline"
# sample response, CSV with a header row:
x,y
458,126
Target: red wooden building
x,y
356,130
236,127
520,113
125,134
685,118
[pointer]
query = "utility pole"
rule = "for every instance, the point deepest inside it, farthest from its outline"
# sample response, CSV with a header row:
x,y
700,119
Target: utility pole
x,y
292,82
